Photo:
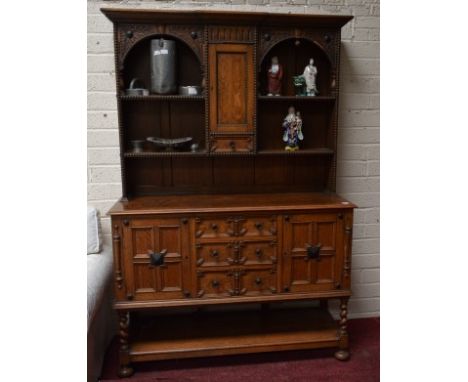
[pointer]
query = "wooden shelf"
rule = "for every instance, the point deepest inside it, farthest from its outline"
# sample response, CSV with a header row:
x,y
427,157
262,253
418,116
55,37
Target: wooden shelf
x,y
218,333
317,151
281,201
297,98
158,154
155,97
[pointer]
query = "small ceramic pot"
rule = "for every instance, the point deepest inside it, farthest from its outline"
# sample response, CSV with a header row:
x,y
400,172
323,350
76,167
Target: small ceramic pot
x,y
189,90
137,146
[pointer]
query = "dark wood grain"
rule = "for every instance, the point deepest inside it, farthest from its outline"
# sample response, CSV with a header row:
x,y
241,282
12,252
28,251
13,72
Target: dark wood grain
x,y
231,71
175,204
223,17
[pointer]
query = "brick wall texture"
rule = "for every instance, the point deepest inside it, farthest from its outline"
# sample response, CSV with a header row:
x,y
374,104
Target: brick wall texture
x,y
358,151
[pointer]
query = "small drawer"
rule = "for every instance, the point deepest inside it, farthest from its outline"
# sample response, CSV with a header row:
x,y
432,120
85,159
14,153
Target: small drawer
x,y
214,228
234,227
215,284
258,282
236,252
231,144
214,255
236,282
258,252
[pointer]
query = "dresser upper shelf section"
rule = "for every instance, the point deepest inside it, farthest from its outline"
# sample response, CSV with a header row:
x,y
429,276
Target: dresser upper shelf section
x,y
125,15
230,203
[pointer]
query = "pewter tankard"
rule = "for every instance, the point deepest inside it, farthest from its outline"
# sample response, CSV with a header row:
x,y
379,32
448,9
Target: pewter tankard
x,y
163,66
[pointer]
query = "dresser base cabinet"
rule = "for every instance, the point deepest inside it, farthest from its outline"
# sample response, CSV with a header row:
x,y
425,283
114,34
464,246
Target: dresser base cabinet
x,y
224,250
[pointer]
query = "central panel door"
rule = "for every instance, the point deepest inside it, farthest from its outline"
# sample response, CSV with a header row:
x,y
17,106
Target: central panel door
x,y
231,88
305,270
170,278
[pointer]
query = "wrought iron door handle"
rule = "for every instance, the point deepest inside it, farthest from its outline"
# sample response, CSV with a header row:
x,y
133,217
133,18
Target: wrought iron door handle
x,y
313,251
157,258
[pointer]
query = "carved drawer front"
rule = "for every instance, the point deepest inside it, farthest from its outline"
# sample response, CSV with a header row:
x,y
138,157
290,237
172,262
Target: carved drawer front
x,y
236,252
214,254
313,252
259,252
156,262
230,144
258,282
233,227
215,283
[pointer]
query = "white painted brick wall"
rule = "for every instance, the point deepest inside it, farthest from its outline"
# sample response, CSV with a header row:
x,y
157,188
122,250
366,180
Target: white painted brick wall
x,y
359,134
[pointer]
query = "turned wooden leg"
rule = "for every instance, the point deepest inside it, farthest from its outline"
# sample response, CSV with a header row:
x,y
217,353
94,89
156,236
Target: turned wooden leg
x,y
125,370
343,353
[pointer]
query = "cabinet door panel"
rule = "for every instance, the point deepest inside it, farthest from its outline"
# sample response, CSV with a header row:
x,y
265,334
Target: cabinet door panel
x,y
145,281
303,273
231,88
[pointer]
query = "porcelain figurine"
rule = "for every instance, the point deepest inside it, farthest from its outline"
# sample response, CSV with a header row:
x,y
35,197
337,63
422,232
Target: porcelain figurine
x,y
299,85
292,129
275,77
310,76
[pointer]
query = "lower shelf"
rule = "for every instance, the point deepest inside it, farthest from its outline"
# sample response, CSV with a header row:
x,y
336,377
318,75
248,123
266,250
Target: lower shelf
x,y
223,333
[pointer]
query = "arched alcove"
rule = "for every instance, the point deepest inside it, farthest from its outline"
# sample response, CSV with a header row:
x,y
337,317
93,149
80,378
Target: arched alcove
x,y
294,55
137,63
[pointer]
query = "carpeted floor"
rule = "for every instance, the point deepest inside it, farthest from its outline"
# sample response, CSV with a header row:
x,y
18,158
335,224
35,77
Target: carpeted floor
x,y
292,366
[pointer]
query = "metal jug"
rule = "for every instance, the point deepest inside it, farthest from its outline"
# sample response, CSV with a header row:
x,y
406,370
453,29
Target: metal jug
x,y
163,66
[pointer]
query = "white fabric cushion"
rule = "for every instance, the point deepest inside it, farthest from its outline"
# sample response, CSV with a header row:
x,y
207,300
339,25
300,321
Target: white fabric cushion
x,y
99,278
94,231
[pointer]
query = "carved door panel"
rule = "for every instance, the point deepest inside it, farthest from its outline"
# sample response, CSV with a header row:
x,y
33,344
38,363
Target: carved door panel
x,y
313,252
232,100
156,259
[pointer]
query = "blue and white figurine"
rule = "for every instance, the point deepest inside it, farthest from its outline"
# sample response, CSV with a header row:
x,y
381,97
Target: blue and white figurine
x,y
292,129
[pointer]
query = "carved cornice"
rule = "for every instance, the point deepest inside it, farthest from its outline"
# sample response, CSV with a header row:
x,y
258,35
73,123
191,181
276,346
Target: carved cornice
x,y
229,33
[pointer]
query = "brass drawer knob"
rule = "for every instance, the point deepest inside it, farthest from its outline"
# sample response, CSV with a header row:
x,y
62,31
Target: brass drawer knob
x,y
215,283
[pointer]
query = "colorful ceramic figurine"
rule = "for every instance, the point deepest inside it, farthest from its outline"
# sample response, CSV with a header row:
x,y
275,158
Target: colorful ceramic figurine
x,y
275,76
310,75
292,127
299,85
